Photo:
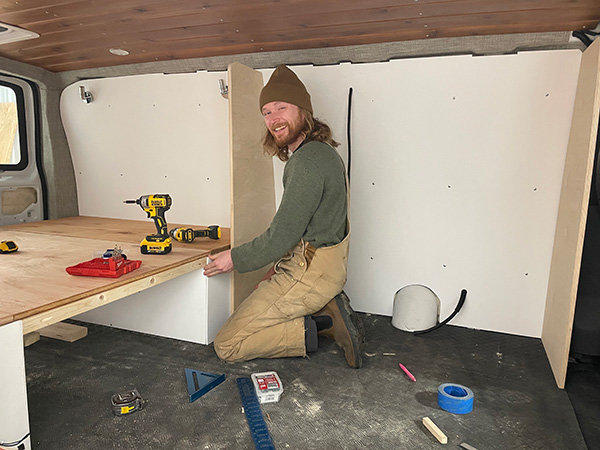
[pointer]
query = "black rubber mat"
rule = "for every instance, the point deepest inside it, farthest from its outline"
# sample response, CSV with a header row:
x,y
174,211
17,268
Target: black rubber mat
x,y
325,404
583,387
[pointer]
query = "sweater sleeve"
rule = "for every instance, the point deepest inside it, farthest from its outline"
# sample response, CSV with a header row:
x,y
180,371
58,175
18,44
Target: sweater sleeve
x,y
303,184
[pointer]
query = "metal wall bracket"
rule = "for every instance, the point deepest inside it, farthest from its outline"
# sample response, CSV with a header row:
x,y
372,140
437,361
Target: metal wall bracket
x,y
223,88
86,96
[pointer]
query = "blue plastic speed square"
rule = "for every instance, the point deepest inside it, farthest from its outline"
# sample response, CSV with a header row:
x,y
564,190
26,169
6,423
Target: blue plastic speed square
x,y
199,383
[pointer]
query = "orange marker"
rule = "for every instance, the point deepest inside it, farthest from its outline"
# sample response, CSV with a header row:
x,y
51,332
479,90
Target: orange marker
x,y
405,370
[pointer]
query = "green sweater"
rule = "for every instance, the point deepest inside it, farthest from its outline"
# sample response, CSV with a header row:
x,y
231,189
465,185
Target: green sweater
x,y
313,208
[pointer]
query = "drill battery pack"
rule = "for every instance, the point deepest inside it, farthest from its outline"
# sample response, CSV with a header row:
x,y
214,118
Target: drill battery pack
x,y
156,244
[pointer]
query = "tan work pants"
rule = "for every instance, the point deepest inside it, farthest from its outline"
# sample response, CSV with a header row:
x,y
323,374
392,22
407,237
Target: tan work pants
x,y
270,322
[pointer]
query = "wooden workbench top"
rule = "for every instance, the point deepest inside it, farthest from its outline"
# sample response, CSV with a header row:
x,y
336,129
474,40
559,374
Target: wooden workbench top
x,y
34,278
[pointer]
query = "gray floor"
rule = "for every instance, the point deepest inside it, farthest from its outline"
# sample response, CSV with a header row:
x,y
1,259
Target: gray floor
x,y
583,379
325,404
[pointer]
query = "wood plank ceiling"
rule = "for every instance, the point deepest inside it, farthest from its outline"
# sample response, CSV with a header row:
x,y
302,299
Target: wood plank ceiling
x,y
78,34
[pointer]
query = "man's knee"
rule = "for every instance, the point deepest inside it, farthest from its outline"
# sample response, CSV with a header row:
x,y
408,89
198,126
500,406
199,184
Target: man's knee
x,y
224,350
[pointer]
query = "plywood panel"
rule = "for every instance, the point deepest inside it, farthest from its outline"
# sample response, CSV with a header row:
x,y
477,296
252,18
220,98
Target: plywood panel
x,y
456,175
117,230
252,185
572,216
5,317
35,280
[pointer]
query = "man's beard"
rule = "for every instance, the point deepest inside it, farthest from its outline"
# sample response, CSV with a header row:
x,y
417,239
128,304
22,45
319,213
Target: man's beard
x,y
294,130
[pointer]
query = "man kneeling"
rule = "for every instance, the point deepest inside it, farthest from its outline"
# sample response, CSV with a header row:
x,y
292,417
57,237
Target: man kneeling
x,y
307,241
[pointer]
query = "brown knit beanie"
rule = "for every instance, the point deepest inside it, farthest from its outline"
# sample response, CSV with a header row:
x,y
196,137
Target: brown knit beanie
x,y
285,86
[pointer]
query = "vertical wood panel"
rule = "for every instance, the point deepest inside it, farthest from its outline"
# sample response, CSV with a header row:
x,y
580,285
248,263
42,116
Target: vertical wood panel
x,y
252,184
572,216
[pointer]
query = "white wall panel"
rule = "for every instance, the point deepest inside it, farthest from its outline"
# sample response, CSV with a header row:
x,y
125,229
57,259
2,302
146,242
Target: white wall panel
x,y
151,134
457,165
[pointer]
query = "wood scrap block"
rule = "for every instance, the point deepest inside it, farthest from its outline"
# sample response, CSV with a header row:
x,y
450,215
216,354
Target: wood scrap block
x,y
64,332
31,338
432,427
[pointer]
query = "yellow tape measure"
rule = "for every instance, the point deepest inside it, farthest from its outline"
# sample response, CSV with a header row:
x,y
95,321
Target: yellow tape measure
x,y
126,402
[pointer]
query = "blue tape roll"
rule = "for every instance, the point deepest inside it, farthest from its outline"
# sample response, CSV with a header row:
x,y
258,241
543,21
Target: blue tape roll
x,y
455,398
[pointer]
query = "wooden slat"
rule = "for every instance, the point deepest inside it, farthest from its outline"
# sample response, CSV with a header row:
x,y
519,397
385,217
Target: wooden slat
x,y
252,180
572,216
31,338
63,331
32,5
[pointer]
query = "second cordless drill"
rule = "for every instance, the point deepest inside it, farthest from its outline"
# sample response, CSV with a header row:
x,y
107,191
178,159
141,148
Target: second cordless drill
x,y
188,235
155,205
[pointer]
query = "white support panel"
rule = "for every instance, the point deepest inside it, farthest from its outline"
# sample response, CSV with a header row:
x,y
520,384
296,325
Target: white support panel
x,y
178,309
218,304
14,416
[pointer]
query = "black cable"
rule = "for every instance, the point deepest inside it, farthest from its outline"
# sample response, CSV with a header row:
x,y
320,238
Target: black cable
x,y
461,302
582,35
348,132
16,443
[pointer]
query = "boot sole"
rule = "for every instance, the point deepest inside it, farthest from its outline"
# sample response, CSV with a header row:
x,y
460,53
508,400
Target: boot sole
x,y
354,326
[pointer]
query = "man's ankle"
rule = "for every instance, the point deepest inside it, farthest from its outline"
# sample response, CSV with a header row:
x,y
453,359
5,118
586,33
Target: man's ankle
x,y
323,322
311,338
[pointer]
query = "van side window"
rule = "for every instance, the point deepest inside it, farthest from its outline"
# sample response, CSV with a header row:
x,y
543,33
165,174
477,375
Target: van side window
x,y
13,143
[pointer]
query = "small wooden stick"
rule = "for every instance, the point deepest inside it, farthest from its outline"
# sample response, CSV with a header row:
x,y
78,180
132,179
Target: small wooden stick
x,y
467,446
432,427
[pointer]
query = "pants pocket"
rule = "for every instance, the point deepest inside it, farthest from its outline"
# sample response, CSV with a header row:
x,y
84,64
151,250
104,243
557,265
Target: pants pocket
x,y
322,291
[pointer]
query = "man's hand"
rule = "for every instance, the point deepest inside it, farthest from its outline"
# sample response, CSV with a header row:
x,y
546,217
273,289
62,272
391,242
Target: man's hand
x,y
221,263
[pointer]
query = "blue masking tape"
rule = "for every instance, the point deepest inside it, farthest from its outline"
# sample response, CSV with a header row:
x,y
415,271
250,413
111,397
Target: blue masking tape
x,y
455,398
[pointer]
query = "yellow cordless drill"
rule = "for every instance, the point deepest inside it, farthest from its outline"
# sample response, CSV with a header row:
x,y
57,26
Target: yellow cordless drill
x,y
155,205
188,235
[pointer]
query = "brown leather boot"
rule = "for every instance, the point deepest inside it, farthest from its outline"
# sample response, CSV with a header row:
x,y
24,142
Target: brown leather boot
x,y
347,330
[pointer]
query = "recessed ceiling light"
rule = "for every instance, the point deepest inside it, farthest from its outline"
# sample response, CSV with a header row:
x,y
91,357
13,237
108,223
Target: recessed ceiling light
x,y
9,33
119,52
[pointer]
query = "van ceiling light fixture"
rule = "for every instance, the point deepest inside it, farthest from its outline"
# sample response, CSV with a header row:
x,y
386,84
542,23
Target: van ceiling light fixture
x,y
119,52
9,33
